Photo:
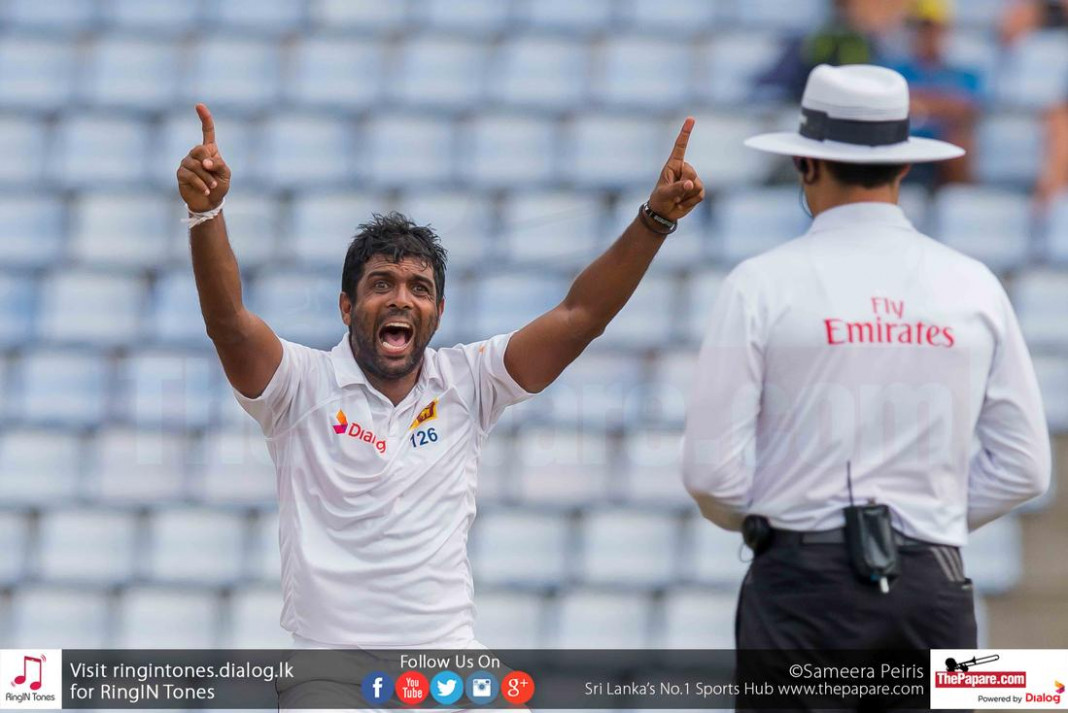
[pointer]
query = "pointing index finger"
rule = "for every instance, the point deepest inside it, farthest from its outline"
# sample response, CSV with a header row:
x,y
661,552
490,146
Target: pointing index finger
x,y
678,153
207,125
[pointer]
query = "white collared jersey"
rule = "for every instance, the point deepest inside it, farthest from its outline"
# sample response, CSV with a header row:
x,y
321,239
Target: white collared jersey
x,y
375,501
865,342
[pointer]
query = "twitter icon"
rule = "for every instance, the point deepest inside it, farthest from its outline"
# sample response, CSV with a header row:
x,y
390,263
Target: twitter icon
x,y
446,688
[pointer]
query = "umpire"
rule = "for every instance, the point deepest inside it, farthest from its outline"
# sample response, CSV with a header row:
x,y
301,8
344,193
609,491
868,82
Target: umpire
x,y
864,397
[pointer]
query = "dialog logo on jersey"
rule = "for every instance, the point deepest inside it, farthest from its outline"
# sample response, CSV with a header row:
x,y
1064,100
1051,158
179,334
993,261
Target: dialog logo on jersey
x,y
355,430
377,687
412,688
446,688
429,413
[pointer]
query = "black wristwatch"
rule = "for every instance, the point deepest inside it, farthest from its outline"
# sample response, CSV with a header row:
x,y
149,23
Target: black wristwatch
x,y
656,222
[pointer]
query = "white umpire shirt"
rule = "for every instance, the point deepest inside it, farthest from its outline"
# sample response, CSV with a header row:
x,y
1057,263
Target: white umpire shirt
x,y
375,500
867,342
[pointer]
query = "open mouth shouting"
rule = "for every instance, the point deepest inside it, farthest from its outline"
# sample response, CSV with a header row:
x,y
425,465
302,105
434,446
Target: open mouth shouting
x,y
395,337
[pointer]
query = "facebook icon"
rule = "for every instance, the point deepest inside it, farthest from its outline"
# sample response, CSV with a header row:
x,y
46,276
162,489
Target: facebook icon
x,y
377,687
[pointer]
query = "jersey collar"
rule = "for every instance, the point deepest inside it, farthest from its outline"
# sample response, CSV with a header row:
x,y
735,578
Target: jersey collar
x,y
849,215
347,372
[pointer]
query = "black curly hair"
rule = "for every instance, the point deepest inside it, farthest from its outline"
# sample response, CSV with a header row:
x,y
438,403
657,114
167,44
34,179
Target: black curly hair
x,y
397,237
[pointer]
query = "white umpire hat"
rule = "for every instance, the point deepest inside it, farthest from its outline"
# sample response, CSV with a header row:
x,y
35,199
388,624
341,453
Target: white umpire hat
x,y
858,113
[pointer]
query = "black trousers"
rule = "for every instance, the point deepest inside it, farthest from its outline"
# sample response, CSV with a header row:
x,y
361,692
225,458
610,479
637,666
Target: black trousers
x,y
806,597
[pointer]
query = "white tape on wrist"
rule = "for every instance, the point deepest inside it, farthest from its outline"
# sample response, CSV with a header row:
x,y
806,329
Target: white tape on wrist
x,y
196,219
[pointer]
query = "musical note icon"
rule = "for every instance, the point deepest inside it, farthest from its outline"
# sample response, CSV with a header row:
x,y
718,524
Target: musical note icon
x,y
19,680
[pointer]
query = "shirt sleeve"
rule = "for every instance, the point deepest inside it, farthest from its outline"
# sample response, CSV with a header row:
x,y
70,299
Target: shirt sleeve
x,y
495,389
273,409
1014,462
717,462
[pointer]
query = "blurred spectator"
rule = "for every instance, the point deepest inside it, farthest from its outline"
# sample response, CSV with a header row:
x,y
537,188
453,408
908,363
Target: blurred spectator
x,y
852,36
945,98
1025,16
1054,177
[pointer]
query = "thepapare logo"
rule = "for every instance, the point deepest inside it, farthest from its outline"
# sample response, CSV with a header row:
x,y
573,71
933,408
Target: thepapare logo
x,y
355,430
429,413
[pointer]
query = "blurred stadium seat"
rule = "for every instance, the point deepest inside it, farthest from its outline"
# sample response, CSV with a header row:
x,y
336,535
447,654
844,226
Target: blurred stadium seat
x,y
565,16
752,221
543,538
87,546
1039,296
557,466
134,466
594,619
439,72
624,548
149,614
643,72
991,225
47,616
1009,149
254,616
194,545
558,228
505,150
508,619
698,619
133,73
539,71
40,467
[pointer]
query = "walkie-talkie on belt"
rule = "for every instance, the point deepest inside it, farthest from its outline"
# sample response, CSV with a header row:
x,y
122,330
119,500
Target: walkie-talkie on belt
x,y
870,540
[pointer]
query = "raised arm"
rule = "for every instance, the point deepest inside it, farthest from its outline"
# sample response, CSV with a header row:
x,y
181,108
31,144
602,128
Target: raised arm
x,y
250,352
540,351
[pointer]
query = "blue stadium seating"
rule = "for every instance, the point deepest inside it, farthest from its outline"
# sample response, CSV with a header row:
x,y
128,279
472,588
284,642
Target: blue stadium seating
x,y
700,296
358,15
560,228
536,71
300,306
151,17
993,557
653,470
505,301
751,221
731,63
24,144
14,533
46,616
564,16
87,546
36,74
129,72
323,223
335,73
544,539
648,320
1039,296
640,72
253,616
17,302
559,467
120,230
717,557
265,558
307,152
236,469
180,131
717,152
233,73
601,392
509,619
1034,71
433,71
624,548
698,619
1052,374
59,388
461,220
990,225
147,617
1057,236
133,466
798,16
95,150
423,146
89,307
609,151
591,618
191,545
159,388
273,17
40,467
677,17
689,245
468,16
1009,149
508,150
58,16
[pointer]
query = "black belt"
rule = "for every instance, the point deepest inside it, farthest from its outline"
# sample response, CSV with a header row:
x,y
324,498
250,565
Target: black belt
x,y
837,537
